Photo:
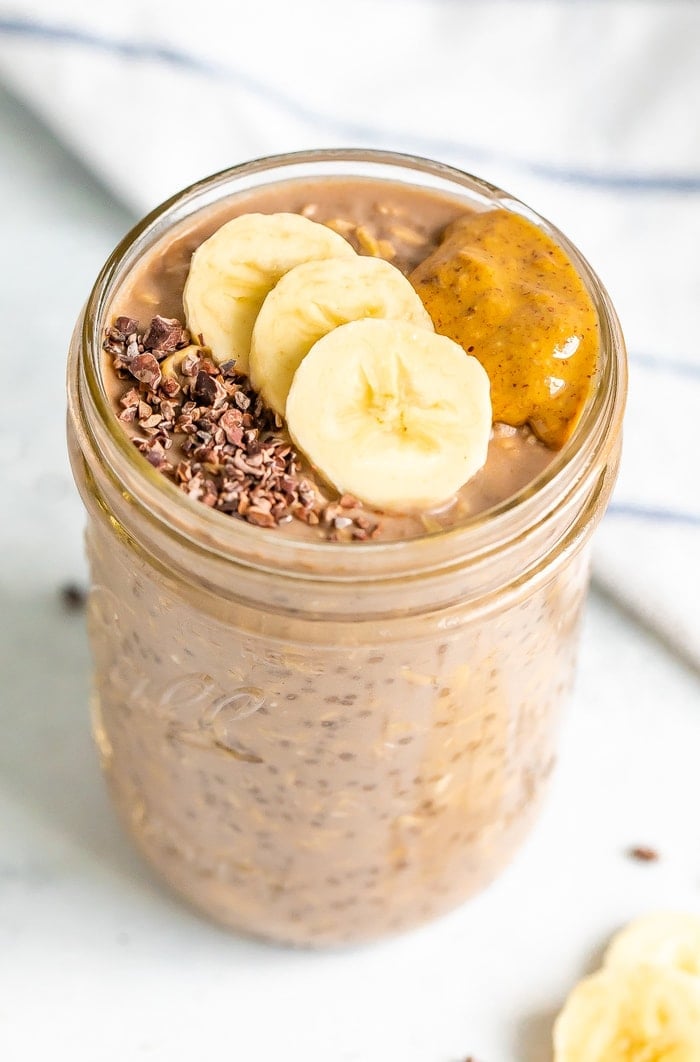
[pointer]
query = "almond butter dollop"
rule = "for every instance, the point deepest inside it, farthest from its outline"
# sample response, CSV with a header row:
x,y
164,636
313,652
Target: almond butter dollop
x,y
503,289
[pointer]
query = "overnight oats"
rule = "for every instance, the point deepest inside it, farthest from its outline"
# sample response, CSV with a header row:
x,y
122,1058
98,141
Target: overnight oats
x,y
343,423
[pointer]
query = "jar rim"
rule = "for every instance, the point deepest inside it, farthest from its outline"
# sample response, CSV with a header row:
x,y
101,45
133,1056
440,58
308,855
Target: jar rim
x,y
240,542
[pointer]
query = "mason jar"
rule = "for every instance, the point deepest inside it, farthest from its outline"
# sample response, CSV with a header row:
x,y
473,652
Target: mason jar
x,y
319,742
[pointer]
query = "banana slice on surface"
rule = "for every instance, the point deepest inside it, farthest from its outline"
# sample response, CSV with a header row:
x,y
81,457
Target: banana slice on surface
x,y
668,939
232,272
644,1013
312,299
397,416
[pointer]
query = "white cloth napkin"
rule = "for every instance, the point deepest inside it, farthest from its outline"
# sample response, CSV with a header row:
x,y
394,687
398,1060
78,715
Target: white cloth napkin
x,y
588,111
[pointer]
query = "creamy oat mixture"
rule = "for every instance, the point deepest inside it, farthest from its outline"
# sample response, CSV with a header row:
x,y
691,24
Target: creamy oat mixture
x,y
317,780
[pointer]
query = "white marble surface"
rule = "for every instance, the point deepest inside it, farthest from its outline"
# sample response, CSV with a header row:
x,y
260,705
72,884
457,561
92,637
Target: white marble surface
x,y
97,963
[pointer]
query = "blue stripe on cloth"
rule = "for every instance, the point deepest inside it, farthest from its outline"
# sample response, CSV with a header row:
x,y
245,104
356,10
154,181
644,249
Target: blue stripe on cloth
x,y
353,131
661,516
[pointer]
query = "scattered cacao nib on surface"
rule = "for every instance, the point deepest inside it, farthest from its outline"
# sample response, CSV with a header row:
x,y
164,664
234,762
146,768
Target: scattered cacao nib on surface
x,y
73,597
232,453
643,854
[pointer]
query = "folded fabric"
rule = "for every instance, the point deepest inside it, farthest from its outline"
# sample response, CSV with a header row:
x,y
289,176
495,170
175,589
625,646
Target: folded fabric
x,y
587,111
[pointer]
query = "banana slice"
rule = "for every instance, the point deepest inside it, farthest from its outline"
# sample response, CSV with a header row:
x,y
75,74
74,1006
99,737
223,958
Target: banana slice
x,y
232,272
631,1014
170,366
667,939
393,414
314,298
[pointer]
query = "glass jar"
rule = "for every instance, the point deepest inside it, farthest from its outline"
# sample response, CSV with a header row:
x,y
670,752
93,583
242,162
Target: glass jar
x,y
322,742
